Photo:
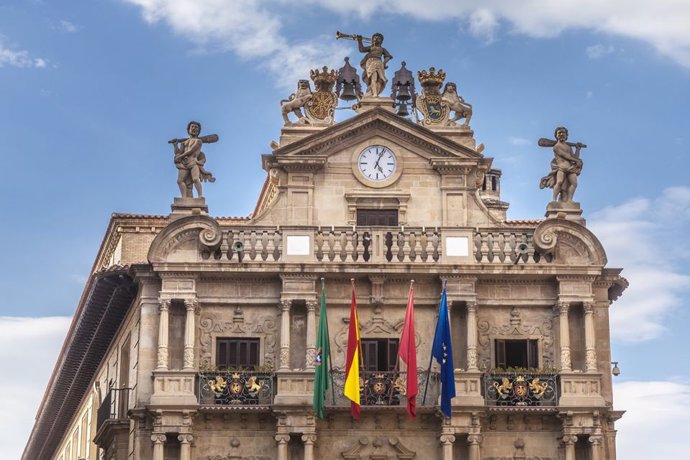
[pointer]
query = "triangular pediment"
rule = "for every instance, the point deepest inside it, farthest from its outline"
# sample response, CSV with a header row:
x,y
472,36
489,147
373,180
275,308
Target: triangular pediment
x,y
377,122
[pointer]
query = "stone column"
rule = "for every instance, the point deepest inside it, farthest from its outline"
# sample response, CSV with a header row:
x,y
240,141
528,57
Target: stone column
x,y
283,440
189,331
472,335
185,446
475,440
595,446
590,339
569,443
158,443
163,334
311,333
564,333
447,441
309,439
285,333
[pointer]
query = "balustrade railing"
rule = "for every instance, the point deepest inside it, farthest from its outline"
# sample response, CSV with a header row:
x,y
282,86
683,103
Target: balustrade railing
x,y
378,388
236,388
521,389
114,407
505,247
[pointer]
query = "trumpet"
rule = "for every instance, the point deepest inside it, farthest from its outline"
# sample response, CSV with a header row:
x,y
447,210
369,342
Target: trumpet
x,y
339,34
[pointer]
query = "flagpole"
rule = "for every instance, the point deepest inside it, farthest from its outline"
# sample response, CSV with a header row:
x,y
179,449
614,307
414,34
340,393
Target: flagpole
x,y
328,337
396,370
431,357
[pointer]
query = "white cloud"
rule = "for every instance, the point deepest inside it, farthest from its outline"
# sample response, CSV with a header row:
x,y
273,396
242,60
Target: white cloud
x,y
655,424
519,141
68,26
647,237
598,51
28,352
12,57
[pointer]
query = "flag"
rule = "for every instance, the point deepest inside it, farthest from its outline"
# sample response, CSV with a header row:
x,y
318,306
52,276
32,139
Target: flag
x,y
408,354
443,352
351,389
321,360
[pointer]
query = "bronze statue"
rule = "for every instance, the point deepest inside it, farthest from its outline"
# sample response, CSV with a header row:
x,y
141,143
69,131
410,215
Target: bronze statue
x,y
565,166
374,62
190,160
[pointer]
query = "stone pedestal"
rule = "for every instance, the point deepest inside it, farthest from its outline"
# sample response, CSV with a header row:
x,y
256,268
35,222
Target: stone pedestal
x,y
569,210
369,102
183,207
461,134
297,131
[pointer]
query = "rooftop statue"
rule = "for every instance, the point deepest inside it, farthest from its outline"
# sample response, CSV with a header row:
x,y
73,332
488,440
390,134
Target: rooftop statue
x,y
296,102
565,166
457,104
190,160
374,61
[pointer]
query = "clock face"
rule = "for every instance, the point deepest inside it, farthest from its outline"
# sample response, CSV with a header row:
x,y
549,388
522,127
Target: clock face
x,y
377,163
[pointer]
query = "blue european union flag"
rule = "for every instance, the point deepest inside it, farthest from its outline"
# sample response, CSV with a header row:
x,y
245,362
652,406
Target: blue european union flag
x,y
443,352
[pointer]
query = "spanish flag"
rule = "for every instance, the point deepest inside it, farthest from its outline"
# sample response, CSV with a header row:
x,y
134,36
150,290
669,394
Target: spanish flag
x,y
352,363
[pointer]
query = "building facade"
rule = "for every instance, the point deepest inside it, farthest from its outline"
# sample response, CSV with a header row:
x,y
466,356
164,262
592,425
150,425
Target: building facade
x,y
196,336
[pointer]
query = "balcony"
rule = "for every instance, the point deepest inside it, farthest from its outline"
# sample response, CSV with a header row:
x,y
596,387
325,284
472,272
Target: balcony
x,y
377,388
521,389
112,423
236,389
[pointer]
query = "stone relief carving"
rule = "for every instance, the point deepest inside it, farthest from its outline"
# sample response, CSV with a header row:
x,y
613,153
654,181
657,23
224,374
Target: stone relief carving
x,y
516,326
379,448
264,326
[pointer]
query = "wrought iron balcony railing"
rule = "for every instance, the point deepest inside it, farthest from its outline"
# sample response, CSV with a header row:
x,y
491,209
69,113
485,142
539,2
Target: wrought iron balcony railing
x,y
114,407
236,388
378,388
521,389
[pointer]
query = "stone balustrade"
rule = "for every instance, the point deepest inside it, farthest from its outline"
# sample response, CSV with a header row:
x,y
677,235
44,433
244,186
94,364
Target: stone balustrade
x,y
505,247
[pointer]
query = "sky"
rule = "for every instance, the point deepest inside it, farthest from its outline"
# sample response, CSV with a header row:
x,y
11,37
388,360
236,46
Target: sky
x,y
91,91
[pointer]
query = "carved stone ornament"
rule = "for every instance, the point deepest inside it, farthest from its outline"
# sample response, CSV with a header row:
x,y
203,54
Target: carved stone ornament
x,y
202,231
264,327
456,104
539,327
295,103
434,111
378,449
320,108
569,243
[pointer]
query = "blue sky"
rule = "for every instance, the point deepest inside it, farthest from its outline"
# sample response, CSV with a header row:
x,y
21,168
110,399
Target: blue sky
x,y
91,91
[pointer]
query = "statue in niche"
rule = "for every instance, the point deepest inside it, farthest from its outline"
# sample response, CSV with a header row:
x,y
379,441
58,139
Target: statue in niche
x,y
190,160
565,166
457,104
296,102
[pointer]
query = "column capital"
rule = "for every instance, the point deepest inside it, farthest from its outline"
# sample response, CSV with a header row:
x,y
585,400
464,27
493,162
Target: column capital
x,y
447,439
312,305
164,304
596,439
474,439
185,438
471,306
191,304
563,307
158,438
285,305
569,439
588,307
282,438
309,438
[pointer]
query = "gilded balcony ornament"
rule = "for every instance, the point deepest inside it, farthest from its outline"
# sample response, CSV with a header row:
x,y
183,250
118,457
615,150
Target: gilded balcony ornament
x,y
504,388
538,388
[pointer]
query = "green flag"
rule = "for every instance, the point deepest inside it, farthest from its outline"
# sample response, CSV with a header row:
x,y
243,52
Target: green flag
x,y
322,358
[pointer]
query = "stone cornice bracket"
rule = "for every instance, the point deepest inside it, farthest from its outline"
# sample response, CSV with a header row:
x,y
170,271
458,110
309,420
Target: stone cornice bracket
x,y
301,164
548,233
204,229
377,298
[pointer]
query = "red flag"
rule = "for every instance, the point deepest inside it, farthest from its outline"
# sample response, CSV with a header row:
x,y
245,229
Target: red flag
x,y
352,363
408,353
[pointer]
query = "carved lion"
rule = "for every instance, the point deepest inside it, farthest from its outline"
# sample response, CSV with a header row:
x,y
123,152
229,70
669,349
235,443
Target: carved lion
x,y
296,102
457,104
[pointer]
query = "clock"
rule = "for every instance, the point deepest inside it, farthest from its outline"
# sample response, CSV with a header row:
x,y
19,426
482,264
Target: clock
x,y
377,163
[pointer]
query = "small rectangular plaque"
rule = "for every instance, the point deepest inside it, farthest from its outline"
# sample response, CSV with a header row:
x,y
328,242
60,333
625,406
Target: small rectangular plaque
x,y
457,246
298,245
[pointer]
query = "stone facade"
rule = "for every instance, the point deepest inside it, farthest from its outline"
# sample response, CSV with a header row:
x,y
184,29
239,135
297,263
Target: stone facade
x,y
536,292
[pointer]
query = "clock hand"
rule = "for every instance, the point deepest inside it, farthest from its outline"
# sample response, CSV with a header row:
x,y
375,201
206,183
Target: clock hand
x,y
376,165
379,168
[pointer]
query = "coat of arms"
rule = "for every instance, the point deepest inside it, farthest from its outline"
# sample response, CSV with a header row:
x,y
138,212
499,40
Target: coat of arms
x,y
430,103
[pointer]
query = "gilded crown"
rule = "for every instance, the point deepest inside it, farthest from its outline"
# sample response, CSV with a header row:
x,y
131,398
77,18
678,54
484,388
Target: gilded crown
x,y
235,376
431,78
520,378
324,80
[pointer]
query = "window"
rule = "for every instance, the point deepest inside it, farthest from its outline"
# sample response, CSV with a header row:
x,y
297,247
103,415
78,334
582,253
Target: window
x,y
517,353
237,353
379,354
377,217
